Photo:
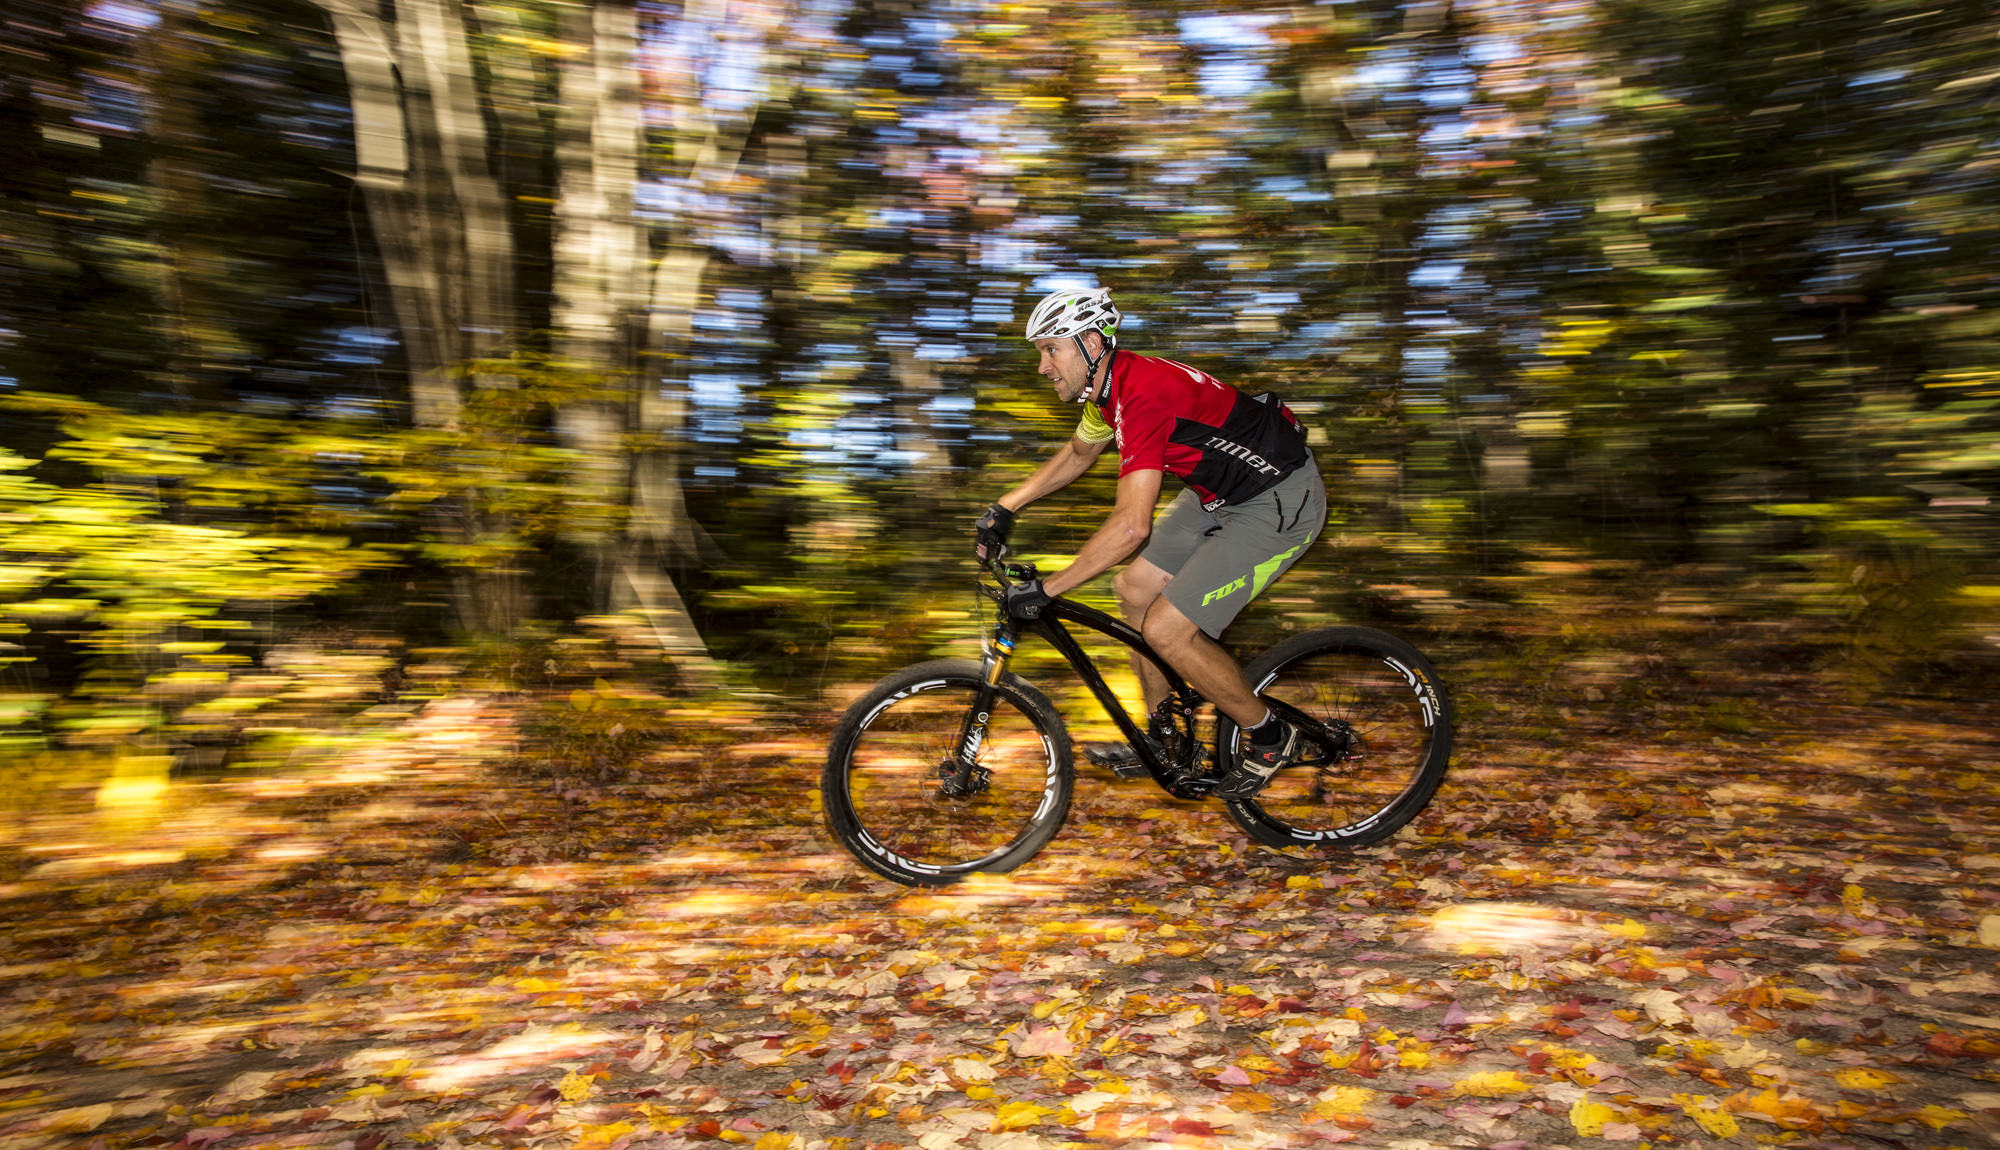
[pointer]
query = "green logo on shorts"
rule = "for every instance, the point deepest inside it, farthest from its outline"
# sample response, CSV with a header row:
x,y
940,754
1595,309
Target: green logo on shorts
x,y
1226,590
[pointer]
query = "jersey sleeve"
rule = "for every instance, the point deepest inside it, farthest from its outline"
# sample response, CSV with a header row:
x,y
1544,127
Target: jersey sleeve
x,y
1092,428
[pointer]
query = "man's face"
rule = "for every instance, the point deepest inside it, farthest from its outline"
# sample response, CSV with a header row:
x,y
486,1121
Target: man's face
x,y
1063,365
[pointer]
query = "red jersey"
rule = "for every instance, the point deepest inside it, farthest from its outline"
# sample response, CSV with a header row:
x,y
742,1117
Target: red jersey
x,y
1170,417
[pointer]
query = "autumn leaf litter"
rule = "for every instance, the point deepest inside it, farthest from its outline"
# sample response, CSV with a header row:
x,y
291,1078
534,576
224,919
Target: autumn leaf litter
x,y
1699,942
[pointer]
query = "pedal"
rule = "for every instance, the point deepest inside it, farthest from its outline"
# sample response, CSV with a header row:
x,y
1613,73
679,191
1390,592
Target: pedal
x,y
1117,758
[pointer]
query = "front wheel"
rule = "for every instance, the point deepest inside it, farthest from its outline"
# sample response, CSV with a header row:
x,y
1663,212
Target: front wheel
x,y
897,796
1386,725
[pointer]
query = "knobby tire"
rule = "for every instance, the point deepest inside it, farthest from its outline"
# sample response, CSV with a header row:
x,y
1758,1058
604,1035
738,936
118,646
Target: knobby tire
x,y
881,787
1391,697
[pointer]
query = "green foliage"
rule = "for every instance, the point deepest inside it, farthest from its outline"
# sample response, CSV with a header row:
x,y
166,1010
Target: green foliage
x,y
1890,584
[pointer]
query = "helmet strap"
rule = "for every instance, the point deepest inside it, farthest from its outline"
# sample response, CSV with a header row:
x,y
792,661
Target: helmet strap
x,y
1092,388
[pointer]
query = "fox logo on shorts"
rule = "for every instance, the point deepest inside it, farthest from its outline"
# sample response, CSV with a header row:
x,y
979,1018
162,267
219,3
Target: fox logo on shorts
x,y
1226,590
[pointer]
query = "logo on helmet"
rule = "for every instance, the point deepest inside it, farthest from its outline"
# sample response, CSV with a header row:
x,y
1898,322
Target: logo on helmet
x,y
1074,311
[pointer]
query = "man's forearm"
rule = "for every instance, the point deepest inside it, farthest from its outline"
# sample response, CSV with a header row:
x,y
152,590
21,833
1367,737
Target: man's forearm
x,y
1113,543
1057,472
1122,535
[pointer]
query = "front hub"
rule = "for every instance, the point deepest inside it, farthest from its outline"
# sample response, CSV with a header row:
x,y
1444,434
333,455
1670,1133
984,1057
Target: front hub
x,y
957,780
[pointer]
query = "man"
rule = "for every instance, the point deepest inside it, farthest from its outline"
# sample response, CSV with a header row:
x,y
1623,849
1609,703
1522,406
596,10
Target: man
x,y
1253,502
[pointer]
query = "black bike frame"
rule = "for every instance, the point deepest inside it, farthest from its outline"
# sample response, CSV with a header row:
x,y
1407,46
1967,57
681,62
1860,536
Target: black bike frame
x,y
1174,778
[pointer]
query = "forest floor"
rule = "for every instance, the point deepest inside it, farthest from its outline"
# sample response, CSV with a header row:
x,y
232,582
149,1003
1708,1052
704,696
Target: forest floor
x,y
1674,904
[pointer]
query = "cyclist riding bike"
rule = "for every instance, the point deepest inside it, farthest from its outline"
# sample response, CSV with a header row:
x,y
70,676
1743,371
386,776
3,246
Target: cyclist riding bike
x,y
1253,502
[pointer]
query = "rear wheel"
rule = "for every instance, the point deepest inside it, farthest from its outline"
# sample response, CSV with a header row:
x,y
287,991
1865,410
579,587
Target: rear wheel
x,y
1385,724
892,785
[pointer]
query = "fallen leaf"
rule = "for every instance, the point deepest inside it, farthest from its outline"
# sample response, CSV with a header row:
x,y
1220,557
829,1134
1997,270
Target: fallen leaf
x,y
576,1087
1865,1078
1589,1117
1044,1042
1491,1084
1708,1114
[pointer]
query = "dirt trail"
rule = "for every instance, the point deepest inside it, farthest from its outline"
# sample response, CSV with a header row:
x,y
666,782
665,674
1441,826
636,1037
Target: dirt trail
x,y
1695,939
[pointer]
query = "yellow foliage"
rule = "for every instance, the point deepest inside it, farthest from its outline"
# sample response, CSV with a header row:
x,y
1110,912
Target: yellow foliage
x,y
592,1137
1491,1084
1865,1078
576,1087
1589,1117
1792,1112
1020,1115
1708,1114
1938,1117
1344,1101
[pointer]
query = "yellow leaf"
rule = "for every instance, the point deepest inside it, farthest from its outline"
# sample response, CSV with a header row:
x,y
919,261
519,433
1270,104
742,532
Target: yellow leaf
x,y
1627,929
1491,1084
575,1087
1708,1114
1865,1078
1344,1101
1937,1117
1589,1117
1302,882
1784,1110
592,1137
78,1119
1019,1115
777,1141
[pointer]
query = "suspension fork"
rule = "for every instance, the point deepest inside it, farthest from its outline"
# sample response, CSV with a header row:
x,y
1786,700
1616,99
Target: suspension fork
x,y
961,774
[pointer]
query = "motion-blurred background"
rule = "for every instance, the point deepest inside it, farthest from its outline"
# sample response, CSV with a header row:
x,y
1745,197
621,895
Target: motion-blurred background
x,y
355,352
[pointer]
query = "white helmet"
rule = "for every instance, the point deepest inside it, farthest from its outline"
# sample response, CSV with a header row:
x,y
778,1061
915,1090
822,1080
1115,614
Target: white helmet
x,y
1073,311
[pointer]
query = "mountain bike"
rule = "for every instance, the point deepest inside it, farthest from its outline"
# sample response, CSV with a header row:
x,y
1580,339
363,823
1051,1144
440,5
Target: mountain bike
x,y
956,766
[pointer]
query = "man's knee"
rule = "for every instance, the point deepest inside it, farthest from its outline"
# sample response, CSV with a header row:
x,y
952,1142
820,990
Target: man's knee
x,y
1165,628
1137,586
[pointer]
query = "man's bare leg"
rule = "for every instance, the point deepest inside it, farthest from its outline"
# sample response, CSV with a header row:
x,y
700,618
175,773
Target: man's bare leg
x,y
1139,587
1201,660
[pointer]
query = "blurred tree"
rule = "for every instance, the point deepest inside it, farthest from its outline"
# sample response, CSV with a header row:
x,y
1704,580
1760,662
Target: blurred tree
x,y
1826,350
1705,283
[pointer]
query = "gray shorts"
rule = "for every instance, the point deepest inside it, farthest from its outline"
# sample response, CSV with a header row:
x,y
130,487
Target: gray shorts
x,y
1222,559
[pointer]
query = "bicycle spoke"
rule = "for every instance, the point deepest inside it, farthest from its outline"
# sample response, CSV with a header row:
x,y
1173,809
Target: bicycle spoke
x,y
895,782
1393,728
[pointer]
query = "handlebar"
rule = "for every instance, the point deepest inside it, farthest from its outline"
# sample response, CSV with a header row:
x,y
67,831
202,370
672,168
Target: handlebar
x,y
1007,574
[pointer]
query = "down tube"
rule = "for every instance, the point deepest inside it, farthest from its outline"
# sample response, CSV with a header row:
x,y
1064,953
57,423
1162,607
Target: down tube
x,y
1059,637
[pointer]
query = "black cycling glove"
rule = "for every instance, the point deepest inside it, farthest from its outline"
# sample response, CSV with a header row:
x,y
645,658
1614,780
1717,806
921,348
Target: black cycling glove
x,y
1026,600
992,528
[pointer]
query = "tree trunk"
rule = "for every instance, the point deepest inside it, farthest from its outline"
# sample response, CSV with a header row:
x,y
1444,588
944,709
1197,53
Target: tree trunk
x,y
626,481
441,226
